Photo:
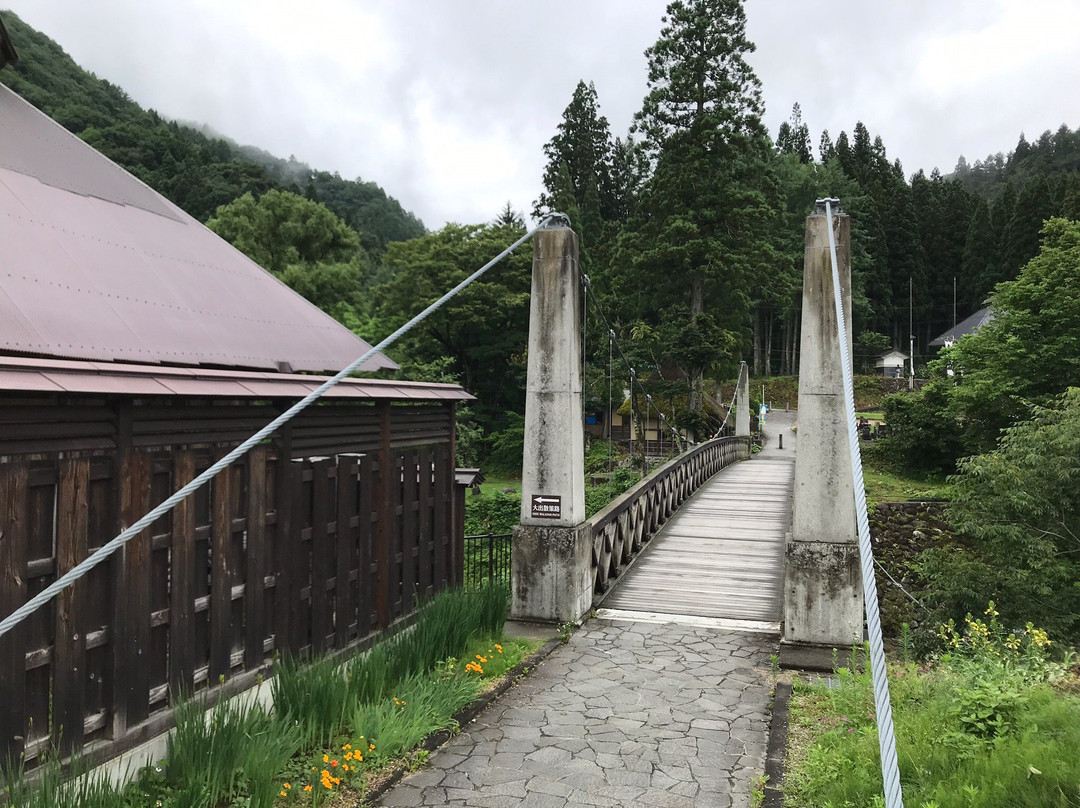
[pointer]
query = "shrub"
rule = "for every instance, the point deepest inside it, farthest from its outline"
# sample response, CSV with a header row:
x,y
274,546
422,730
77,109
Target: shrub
x,y
493,512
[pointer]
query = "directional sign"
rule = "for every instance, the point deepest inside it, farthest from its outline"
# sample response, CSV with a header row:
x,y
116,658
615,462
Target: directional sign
x,y
546,506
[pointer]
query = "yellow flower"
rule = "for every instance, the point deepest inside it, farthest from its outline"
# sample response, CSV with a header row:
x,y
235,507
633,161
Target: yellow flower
x,y
307,788
284,793
325,758
371,748
286,785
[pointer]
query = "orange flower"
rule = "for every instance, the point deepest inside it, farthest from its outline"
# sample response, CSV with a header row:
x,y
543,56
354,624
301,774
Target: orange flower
x,y
307,788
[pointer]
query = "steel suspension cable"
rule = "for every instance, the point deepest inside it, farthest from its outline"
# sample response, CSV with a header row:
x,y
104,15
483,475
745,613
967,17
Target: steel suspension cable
x,y
731,406
611,331
610,378
890,770
103,552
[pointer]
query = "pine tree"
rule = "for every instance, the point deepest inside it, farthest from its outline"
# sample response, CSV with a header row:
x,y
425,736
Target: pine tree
x,y
794,137
583,145
1034,205
707,208
978,270
826,149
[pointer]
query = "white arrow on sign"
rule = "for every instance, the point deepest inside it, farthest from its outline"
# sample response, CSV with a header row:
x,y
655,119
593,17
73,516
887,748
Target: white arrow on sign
x,y
546,500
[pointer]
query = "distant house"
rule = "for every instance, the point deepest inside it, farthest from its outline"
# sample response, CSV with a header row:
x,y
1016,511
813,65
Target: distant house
x,y
967,326
891,364
136,349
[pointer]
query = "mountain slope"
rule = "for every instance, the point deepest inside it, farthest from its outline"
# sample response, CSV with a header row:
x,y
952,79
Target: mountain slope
x,y
195,171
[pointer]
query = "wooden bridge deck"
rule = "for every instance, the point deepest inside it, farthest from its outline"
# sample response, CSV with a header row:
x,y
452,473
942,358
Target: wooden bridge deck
x,y
721,557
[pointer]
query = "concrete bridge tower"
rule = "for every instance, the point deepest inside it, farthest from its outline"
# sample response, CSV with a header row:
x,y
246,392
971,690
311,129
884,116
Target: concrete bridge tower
x,y
551,573
823,605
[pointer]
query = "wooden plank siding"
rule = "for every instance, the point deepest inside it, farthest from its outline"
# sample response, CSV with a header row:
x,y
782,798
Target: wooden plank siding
x,y
312,543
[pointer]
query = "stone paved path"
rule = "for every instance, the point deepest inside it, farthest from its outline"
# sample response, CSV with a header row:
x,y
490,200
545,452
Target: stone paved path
x,y
635,715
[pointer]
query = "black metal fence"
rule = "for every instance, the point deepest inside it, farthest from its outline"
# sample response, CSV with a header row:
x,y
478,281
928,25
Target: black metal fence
x,y
487,557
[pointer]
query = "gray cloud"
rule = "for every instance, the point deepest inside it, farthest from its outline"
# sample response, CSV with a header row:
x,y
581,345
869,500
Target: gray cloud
x,y
448,105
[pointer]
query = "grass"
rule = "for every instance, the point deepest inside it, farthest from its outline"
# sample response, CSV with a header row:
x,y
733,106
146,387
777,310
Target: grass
x,y
334,726
982,726
891,486
493,485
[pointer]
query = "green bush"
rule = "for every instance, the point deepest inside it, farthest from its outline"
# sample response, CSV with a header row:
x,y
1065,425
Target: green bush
x,y
492,513
1018,508
980,727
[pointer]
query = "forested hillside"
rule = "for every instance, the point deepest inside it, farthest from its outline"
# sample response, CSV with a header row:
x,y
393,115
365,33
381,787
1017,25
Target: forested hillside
x,y
197,172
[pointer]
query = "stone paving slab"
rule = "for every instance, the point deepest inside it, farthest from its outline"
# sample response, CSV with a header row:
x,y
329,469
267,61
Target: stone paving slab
x,y
627,715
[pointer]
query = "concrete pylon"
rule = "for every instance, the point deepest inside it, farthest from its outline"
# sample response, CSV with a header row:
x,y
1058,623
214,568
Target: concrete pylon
x,y
742,403
551,573
823,605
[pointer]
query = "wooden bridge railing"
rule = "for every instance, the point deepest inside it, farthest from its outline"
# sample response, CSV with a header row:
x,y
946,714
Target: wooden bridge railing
x,y
623,529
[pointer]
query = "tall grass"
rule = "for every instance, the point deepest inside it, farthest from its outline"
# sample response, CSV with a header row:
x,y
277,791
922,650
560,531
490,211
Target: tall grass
x,y
239,748
49,788
971,733
420,706
234,755
317,697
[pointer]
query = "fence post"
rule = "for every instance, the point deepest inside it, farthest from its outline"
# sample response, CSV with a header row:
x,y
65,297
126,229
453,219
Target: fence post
x,y
69,667
13,485
385,528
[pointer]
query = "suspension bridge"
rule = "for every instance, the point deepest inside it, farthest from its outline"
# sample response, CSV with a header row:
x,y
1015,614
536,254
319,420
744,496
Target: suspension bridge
x,y
695,575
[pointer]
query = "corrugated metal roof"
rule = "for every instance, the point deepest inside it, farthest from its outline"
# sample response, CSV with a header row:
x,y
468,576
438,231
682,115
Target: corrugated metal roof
x,y
966,326
96,265
24,374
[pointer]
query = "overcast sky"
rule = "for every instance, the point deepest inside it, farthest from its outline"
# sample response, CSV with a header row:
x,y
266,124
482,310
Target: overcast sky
x,y
447,104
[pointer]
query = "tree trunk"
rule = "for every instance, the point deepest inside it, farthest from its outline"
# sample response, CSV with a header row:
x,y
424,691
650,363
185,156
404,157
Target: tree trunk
x,y
768,345
697,306
757,341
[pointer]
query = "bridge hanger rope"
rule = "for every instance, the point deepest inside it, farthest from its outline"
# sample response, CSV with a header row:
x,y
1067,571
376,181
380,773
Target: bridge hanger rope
x,y
890,770
103,552
587,281
731,406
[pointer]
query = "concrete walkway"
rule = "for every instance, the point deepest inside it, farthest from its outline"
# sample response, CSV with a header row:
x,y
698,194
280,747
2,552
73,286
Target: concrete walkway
x,y
630,715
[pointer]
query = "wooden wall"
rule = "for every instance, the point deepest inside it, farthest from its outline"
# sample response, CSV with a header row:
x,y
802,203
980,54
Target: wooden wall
x,y
314,542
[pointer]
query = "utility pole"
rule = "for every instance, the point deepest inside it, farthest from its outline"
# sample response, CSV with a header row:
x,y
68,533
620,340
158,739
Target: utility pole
x,y
911,335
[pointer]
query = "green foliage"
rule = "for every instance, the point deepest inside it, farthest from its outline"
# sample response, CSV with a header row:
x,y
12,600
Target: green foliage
x,y
53,787
1031,350
493,512
922,434
236,751
1018,505
506,447
599,496
195,170
971,731
282,229
483,330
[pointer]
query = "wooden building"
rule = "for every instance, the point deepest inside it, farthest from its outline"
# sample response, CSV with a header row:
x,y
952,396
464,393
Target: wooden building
x,y
136,348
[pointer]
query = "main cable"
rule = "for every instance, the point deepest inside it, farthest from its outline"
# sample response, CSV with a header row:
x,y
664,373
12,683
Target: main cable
x,y
106,550
890,771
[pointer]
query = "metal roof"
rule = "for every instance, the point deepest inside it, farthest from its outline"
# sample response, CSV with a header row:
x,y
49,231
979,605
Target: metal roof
x,y
96,265
24,374
966,326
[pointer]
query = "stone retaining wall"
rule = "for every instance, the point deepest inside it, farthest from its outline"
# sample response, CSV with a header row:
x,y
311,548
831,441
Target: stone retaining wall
x,y
899,531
